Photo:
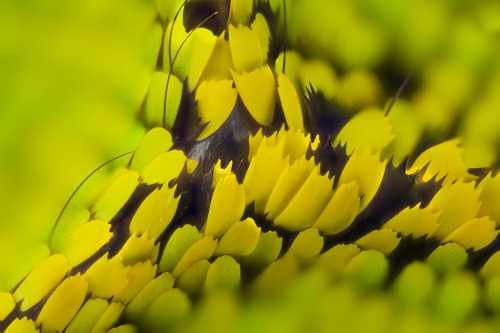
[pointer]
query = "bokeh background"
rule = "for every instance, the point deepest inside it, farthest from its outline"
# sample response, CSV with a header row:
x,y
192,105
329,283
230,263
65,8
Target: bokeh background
x,y
74,75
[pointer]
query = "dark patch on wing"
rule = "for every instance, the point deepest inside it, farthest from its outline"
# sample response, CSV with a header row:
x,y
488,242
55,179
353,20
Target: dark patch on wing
x,y
409,250
332,160
228,143
187,126
397,191
422,192
276,40
323,117
481,173
195,11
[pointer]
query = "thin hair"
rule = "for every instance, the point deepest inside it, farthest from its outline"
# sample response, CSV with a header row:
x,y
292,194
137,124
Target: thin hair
x,y
170,72
171,33
400,90
284,36
79,186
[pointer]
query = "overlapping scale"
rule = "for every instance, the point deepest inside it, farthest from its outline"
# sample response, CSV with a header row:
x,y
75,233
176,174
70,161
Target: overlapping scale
x,y
113,199
240,239
180,241
151,220
194,55
227,206
443,160
63,304
383,240
257,90
86,240
41,281
200,250
290,102
106,277
216,99
358,135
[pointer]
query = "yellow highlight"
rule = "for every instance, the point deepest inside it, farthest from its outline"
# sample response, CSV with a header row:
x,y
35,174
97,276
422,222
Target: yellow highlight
x,y
383,240
106,277
41,281
155,213
138,276
138,249
368,130
340,212
290,102
227,206
263,172
202,249
240,240
86,240
289,182
164,168
63,304
154,142
307,204
111,201
245,49
216,100
474,234
443,160
414,221
257,90
459,202
367,171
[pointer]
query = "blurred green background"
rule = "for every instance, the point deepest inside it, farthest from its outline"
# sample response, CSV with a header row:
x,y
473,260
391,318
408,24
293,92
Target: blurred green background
x,y
73,75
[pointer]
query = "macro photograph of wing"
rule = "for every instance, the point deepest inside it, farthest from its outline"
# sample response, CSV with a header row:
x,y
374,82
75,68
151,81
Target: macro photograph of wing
x,y
250,166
